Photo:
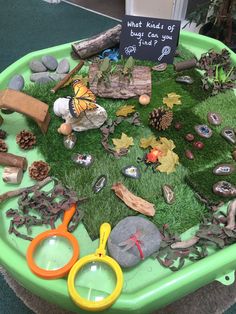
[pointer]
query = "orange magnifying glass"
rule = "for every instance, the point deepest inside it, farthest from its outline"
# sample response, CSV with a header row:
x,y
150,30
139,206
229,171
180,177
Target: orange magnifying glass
x,y
52,253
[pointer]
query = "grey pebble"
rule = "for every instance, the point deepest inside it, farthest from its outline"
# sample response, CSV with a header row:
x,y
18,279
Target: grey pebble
x,y
63,67
56,76
121,247
37,66
37,76
16,82
50,62
43,80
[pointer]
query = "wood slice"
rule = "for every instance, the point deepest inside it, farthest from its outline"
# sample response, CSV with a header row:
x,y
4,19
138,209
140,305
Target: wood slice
x,y
121,87
7,159
91,46
12,175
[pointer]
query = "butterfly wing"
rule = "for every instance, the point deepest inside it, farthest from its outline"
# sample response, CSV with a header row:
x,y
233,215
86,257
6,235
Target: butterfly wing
x,y
84,99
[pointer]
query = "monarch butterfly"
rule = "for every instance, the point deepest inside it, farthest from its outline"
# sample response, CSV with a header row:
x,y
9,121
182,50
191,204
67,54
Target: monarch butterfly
x,y
83,100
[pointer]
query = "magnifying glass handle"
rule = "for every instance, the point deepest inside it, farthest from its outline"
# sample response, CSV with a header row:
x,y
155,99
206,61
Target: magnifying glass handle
x,y
105,231
67,217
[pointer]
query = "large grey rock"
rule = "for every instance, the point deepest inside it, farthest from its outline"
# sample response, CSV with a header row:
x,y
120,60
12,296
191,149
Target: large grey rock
x,y
63,67
121,243
16,82
50,62
37,66
34,77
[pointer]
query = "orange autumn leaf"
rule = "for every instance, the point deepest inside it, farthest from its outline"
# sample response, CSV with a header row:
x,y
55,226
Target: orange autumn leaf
x,y
171,100
123,142
168,162
124,111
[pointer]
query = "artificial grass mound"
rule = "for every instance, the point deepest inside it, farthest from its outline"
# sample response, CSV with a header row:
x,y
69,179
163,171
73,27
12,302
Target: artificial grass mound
x,y
105,206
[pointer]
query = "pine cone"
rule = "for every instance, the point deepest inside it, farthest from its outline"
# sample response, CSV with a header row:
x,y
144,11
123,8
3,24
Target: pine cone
x,y
160,118
39,170
26,139
3,146
3,134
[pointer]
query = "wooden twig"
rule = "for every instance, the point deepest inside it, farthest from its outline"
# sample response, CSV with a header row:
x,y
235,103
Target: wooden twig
x,y
17,192
67,77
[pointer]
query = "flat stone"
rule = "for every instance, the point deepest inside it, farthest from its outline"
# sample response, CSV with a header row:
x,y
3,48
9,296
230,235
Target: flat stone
x,y
63,66
70,140
50,62
214,118
168,194
34,77
203,130
84,160
17,82
37,66
56,76
43,80
224,189
131,172
160,67
124,237
184,79
224,169
229,135
100,184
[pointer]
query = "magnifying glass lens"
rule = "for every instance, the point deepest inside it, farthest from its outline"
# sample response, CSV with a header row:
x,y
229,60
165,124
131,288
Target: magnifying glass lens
x,y
53,253
95,281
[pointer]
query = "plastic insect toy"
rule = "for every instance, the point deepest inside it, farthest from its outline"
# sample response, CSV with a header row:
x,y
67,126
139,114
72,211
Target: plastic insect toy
x,y
111,54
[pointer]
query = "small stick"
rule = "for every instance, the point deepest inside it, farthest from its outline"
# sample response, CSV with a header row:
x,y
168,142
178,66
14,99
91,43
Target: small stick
x,y
67,77
17,192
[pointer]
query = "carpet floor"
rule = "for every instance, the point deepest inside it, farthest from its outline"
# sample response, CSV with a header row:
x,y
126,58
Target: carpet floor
x,y
30,25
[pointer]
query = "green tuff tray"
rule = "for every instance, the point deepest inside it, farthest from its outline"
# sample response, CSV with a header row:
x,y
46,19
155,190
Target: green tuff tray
x,y
148,286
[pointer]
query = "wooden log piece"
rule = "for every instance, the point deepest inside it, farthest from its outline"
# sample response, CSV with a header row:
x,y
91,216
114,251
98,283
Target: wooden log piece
x,y
12,175
27,105
120,87
185,65
93,45
7,159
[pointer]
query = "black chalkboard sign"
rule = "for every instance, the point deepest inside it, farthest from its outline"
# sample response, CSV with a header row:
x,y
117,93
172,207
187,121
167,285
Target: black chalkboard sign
x,y
149,38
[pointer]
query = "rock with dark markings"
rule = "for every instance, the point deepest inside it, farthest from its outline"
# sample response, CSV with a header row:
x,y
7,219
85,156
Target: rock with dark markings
x,y
224,189
224,169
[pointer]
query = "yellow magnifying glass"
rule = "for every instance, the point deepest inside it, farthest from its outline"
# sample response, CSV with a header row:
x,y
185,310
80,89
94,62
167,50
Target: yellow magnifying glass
x,y
96,280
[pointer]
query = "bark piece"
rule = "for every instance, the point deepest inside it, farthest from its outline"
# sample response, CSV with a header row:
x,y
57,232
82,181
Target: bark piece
x,y
12,175
27,105
185,65
120,87
7,159
93,45
134,202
